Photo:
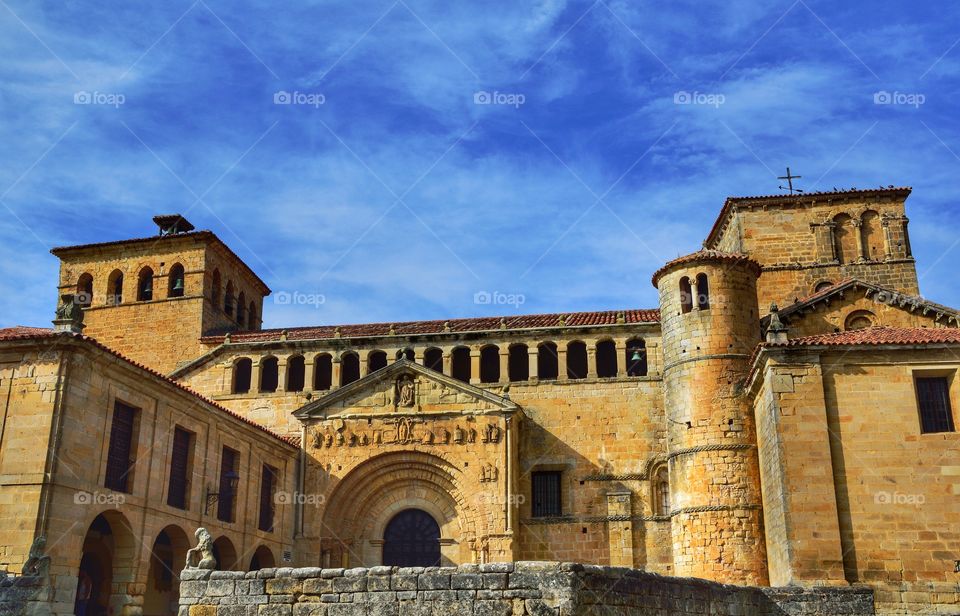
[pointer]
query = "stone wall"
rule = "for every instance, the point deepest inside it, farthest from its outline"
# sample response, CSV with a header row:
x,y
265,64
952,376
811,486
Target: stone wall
x,y
501,589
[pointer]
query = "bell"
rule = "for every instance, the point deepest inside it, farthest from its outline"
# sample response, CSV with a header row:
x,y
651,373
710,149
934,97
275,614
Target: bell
x,y
636,355
147,288
178,285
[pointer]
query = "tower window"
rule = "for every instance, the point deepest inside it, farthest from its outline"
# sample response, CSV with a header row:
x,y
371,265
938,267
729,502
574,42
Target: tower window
x,y
252,322
519,363
933,397
85,290
376,360
241,375
228,300
177,279
661,492
433,359
115,288
636,358
606,359
145,285
322,372
686,295
215,288
241,309
269,374
349,368
460,364
547,361
576,360
703,292
546,501
296,372
489,364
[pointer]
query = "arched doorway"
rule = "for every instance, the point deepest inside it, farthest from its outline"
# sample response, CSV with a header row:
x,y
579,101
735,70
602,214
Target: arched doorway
x,y
106,566
167,558
262,559
412,539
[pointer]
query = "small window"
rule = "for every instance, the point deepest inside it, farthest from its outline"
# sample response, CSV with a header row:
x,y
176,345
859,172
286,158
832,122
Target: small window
x,y
859,319
636,357
228,300
349,368
115,288
215,288
489,364
242,309
376,360
547,361
177,279
518,363
229,479
322,372
822,286
268,484
933,397
269,374
252,323
296,373
606,359
121,449
546,494
85,290
407,354
145,285
179,469
686,295
241,375
661,492
433,359
576,360
460,364
703,292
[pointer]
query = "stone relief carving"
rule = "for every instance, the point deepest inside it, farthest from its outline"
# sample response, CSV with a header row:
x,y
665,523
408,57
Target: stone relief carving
x,y
406,391
491,434
405,434
488,473
203,552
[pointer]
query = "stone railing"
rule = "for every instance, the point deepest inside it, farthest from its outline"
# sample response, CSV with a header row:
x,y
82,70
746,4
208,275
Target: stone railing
x,y
496,589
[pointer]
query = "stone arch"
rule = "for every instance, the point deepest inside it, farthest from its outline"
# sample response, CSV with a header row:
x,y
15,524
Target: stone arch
x,y
349,367
376,360
606,357
176,281
114,296
296,373
107,561
269,374
871,236
262,559
165,560
433,359
241,375
518,362
322,372
145,284
225,553
490,364
85,289
367,498
460,361
577,363
859,319
548,361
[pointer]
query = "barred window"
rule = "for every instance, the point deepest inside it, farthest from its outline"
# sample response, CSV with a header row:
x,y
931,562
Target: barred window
x,y
933,396
120,452
546,494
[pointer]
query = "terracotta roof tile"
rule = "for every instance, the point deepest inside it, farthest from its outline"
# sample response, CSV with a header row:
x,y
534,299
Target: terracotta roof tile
x,y
581,319
705,255
39,333
875,336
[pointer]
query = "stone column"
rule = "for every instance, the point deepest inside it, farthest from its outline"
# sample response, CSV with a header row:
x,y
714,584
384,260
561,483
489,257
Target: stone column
x,y
561,362
308,373
448,361
592,359
653,359
694,295
622,358
861,246
335,373
364,362
228,378
255,376
534,354
281,374
418,356
504,365
474,366
620,529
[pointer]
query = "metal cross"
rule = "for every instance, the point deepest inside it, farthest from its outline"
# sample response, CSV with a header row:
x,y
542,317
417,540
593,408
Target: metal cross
x,y
790,178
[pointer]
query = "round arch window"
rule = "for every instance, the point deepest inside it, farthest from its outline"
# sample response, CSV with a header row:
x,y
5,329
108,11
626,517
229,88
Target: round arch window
x,y
860,319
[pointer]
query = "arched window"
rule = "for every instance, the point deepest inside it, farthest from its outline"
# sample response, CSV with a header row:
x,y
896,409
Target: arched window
x,y
349,368
460,364
489,364
606,359
252,322
686,295
703,292
85,289
176,281
433,359
228,300
860,319
518,363
547,362
871,233
322,372
242,369
576,360
822,285
661,492
296,373
115,288
145,285
242,308
636,359
376,360
844,240
269,374
406,354
215,288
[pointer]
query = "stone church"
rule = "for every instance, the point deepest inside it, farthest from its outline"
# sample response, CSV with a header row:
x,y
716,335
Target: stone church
x,y
784,417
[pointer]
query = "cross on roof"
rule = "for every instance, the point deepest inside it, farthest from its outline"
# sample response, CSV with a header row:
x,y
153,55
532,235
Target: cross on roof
x,y
790,178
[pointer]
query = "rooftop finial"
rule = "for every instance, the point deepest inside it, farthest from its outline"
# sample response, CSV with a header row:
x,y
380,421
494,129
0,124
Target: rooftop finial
x,y
69,315
776,330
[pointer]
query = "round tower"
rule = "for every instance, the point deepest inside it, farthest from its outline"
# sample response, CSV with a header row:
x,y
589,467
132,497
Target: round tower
x,y
710,327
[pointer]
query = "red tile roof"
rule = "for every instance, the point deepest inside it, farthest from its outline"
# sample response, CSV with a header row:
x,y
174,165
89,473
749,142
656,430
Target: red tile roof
x,y
732,202
59,250
572,319
705,255
875,336
39,333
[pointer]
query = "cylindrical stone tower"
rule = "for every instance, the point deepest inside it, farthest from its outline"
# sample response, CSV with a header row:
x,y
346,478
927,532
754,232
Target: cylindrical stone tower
x,y
710,327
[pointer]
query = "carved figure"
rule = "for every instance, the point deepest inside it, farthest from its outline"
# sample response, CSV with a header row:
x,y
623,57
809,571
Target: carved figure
x,y
37,563
458,435
204,551
405,391
403,430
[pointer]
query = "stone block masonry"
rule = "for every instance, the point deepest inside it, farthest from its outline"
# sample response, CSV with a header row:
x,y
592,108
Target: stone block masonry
x,y
497,589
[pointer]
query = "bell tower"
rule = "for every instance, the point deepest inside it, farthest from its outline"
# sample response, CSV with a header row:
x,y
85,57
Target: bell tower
x,y
153,298
710,328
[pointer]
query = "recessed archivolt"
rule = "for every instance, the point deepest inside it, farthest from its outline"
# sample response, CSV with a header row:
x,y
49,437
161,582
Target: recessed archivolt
x,y
361,505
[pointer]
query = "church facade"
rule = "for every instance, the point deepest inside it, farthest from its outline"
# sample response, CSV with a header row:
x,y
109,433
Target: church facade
x,y
785,416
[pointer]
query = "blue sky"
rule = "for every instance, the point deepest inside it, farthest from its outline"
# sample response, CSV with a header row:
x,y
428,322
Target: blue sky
x,y
394,189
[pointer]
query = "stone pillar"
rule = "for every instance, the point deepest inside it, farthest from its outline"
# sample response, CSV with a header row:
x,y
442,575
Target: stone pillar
x,y
418,356
694,294
308,373
505,365
255,376
861,245
592,359
474,366
281,374
534,354
823,239
622,358
620,529
228,378
654,367
364,362
448,361
335,373
561,363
